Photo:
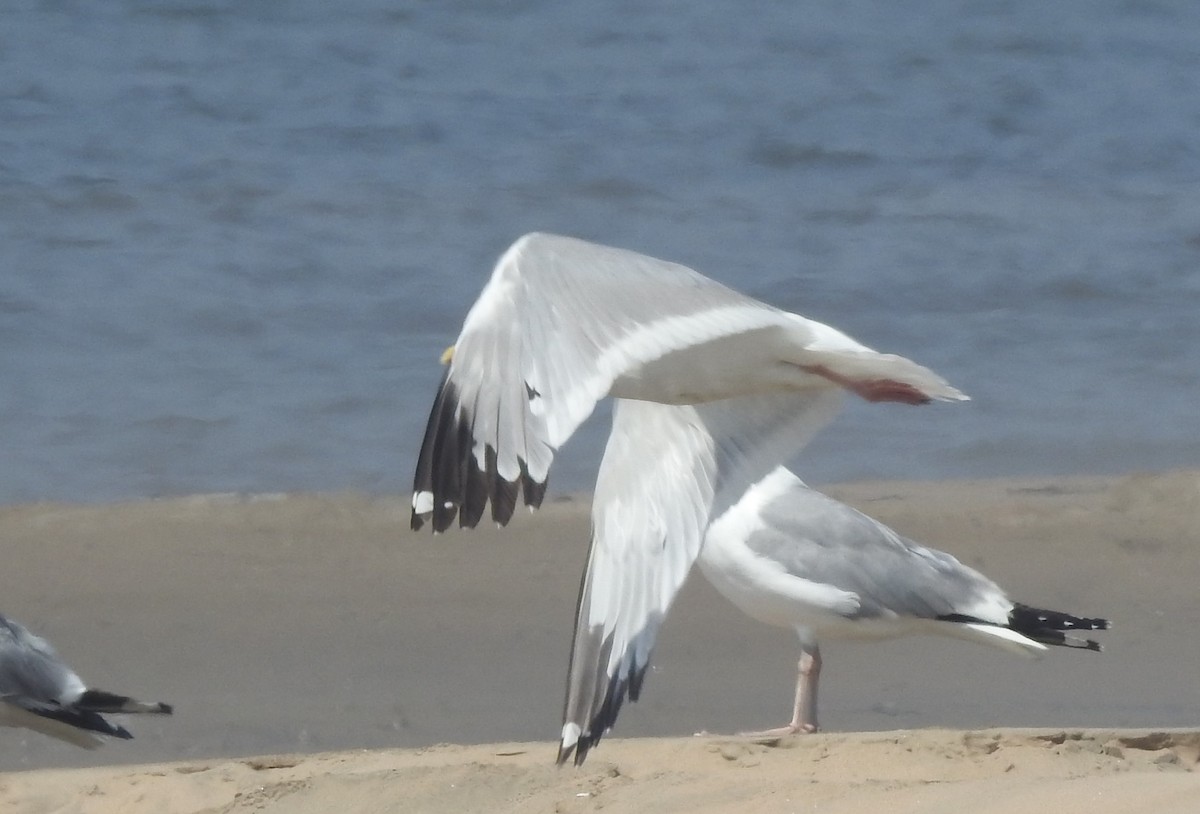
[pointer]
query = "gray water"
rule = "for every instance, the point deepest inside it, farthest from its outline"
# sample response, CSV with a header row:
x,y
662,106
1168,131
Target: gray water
x,y
235,236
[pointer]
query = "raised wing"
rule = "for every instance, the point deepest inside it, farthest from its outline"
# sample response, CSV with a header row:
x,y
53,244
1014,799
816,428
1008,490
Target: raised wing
x,y
559,320
666,470
562,323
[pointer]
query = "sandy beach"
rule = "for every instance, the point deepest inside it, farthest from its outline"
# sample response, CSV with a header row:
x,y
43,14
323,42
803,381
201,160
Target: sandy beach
x,y
995,770
383,670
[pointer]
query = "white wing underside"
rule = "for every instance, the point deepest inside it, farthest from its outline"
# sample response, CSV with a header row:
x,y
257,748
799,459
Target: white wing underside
x,y
666,471
562,323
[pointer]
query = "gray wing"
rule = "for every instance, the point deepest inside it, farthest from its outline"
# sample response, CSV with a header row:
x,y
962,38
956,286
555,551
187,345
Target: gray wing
x,y
821,540
562,323
666,471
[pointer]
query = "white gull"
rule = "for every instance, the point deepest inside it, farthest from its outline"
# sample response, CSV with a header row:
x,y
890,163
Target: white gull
x,y
563,323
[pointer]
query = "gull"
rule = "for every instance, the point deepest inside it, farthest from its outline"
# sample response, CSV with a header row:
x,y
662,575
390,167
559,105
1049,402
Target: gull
x,y
39,691
563,323
712,390
791,556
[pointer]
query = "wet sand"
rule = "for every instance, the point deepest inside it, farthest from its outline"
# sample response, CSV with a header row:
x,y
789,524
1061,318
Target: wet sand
x,y
309,624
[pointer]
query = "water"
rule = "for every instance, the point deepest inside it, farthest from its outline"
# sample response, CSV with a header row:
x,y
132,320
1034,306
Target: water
x,y
234,237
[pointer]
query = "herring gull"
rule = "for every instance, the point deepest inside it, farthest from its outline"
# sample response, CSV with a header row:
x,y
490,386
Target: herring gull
x,y
791,556
726,388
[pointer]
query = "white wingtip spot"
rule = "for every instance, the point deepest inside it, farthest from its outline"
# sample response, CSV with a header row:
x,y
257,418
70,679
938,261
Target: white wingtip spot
x,y
570,735
948,393
422,502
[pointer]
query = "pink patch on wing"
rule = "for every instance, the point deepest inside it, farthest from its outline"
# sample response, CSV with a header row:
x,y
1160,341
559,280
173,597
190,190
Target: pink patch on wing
x,y
874,389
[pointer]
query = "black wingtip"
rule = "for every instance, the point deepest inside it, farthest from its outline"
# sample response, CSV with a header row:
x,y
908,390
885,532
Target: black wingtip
x,y
450,480
534,491
84,719
423,477
620,687
107,702
504,501
439,473
1054,627
476,489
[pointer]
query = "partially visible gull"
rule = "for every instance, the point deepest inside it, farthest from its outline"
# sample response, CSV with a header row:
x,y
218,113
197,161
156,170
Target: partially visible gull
x,y
562,323
39,691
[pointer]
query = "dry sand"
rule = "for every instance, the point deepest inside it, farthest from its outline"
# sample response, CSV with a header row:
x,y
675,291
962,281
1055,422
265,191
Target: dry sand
x,y
319,627
932,770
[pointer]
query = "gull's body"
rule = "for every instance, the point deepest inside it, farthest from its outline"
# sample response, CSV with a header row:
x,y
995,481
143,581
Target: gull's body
x,y
714,389
790,556
39,691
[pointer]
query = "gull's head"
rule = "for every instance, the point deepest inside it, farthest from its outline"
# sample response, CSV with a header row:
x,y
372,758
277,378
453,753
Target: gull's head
x,y
447,355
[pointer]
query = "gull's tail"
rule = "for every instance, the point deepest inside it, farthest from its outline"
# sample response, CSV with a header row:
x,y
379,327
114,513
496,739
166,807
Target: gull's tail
x,y
75,722
1053,627
97,701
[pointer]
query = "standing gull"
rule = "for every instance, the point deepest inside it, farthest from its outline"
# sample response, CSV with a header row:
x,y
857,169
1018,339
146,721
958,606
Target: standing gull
x,y
39,691
790,556
563,323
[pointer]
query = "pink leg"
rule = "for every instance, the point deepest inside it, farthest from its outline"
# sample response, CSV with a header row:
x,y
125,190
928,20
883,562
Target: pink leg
x,y
804,713
873,389
804,717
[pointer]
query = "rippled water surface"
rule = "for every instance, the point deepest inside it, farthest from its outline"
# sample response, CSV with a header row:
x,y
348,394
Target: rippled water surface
x,y
234,237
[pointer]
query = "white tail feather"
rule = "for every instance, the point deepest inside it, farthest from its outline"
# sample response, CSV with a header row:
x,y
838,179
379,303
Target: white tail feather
x,y
1002,637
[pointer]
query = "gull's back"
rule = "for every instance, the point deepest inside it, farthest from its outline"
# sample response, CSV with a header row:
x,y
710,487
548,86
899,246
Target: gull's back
x,y
31,672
